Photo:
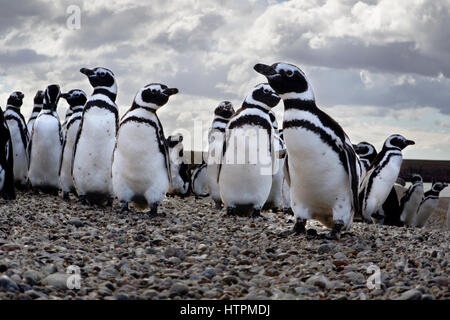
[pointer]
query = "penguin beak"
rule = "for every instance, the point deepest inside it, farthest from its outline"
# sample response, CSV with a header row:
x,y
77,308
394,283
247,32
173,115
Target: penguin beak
x,y
87,72
171,91
21,95
409,142
264,69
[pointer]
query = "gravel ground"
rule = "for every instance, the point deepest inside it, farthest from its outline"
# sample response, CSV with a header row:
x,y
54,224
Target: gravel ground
x,y
194,252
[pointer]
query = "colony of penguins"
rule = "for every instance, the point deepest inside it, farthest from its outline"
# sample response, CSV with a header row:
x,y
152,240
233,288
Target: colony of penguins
x,y
312,171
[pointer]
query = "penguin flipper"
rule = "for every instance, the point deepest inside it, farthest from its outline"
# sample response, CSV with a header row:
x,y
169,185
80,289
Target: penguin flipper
x,y
353,175
224,150
287,175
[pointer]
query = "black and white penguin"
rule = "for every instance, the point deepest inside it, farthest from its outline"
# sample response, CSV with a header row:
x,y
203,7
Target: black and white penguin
x,y
380,179
321,166
199,181
76,99
45,145
94,145
429,203
367,154
19,137
216,136
275,200
410,201
38,101
7,191
178,168
141,165
285,190
246,169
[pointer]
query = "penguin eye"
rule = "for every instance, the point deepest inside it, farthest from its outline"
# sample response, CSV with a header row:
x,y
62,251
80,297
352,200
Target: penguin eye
x,y
289,73
102,74
266,91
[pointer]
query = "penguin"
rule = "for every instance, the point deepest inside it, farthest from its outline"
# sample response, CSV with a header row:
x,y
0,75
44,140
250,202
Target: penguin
x,y
410,201
367,154
45,145
380,179
216,135
245,172
141,166
389,213
429,203
274,201
96,137
38,101
7,190
178,168
199,181
322,168
76,99
19,137
69,113
285,190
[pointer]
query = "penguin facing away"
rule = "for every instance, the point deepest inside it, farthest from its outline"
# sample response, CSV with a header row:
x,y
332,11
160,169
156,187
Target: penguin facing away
x,y
429,204
38,101
199,181
410,202
19,137
179,169
322,166
94,144
367,154
245,172
216,136
380,179
76,99
45,145
7,191
141,166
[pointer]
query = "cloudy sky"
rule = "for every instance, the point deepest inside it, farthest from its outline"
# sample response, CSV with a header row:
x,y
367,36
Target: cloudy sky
x,y
378,67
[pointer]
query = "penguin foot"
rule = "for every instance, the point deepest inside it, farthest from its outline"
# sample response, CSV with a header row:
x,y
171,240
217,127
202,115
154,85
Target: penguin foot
x,y
84,201
335,233
300,226
109,201
230,212
218,205
275,209
65,196
312,232
124,207
154,210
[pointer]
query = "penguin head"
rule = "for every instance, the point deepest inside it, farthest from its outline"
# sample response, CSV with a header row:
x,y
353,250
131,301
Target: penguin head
x,y
39,97
439,186
51,97
263,95
154,95
224,109
100,77
75,97
365,150
16,99
416,178
397,141
174,142
287,80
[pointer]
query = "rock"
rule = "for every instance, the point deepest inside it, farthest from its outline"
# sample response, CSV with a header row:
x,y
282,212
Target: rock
x,y
340,256
9,247
32,276
324,249
3,268
209,273
150,294
230,280
76,223
411,295
57,280
202,247
49,269
122,296
355,277
179,289
319,281
8,284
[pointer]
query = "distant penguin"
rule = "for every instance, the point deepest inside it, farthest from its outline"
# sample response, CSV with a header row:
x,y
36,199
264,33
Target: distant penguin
x,y
321,166
69,113
38,101
380,179
390,212
46,145
76,99
410,202
19,137
199,181
216,135
178,168
367,154
94,145
429,204
246,169
141,165
275,200
7,191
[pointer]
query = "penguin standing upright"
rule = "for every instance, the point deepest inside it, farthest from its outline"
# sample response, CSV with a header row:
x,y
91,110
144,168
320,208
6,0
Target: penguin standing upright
x,y
246,169
178,168
321,165
199,181
367,154
275,199
380,179
7,191
19,137
410,202
94,145
216,135
141,166
46,145
429,203
76,99
38,101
